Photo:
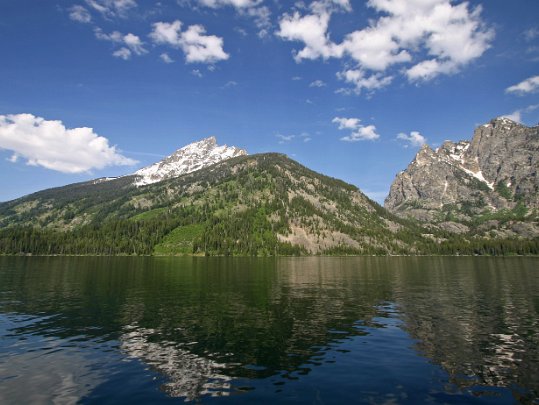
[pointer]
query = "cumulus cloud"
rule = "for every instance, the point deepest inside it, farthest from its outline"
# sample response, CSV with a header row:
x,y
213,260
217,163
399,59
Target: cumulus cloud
x,y
414,139
112,8
358,132
347,123
80,14
51,145
317,83
130,43
431,37
530,85
312,31
196,45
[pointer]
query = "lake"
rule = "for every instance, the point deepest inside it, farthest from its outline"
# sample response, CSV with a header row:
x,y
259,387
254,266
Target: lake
x,y
294,330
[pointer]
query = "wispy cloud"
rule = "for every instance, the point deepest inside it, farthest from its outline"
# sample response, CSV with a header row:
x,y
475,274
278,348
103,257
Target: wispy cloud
x,y
517,114
80,14
166,58
112,8
254,9
285,138
317,83
530,85
129,43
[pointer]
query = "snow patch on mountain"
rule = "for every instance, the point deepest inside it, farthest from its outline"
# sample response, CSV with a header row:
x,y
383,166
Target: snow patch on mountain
x,y
188,159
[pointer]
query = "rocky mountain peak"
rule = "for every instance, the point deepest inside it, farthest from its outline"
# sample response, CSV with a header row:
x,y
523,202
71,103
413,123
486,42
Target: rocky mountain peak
x,y
187,159
496,170
424,156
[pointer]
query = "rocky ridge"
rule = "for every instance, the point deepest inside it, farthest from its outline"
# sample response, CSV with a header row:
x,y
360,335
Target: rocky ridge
x,y
460,181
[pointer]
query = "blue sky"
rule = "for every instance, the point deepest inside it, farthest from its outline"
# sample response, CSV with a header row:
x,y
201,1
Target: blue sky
x,y
348,88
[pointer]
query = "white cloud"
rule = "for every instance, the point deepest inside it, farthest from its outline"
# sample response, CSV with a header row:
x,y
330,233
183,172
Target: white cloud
x,y
122,53
429,69
360,81
166,58
517,115
247,8
13,158
131,43
414,139
530,85
234,3
358,132
303,137
198,47
134,43
201,48
112,8
51,145
230,83
296,78
347,123
367,133
196,72
433,36
261,17
312,31
79,14
317,83
285,138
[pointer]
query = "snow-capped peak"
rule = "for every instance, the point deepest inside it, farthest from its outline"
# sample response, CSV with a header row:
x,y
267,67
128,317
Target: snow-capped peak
x,y
190,158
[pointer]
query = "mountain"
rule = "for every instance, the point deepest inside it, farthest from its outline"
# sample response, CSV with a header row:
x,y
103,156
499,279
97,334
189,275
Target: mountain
x,y
259,205
188,159
488,185
262,204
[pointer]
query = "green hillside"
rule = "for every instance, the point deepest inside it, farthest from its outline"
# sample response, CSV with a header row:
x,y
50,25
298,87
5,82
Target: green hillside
x,y
257,205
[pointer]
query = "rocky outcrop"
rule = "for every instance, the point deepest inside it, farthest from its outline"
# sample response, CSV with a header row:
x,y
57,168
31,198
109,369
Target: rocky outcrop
x,y
496,171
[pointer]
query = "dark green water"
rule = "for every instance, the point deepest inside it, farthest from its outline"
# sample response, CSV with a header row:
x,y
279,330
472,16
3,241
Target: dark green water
x,y
297,330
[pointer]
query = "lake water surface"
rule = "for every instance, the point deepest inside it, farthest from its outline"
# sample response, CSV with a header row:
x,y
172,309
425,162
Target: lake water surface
x,y
296,330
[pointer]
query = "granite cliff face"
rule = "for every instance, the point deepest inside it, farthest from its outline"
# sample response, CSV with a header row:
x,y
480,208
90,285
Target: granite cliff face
x,y
460,182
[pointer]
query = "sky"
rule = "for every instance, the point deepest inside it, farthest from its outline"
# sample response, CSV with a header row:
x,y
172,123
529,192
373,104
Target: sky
x,y
351,89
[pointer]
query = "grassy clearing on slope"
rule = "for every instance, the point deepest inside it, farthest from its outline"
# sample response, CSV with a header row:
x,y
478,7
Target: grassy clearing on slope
x,y
149,214
179,241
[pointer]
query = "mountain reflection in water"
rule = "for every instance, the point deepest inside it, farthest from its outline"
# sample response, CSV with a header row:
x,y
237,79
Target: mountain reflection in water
x,y
405,330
